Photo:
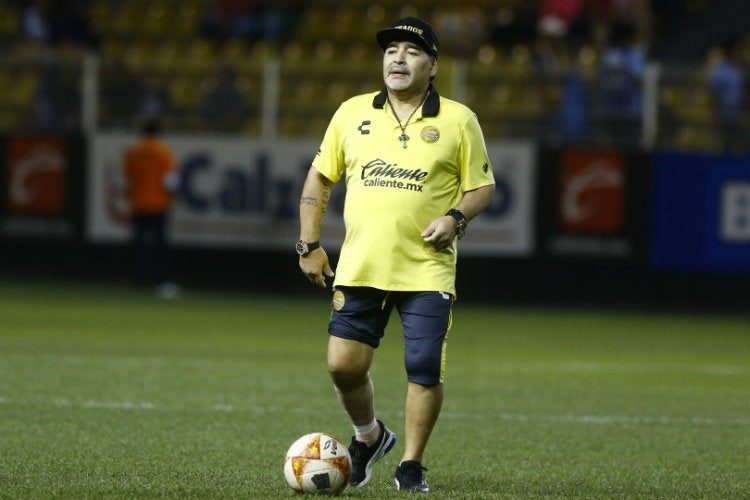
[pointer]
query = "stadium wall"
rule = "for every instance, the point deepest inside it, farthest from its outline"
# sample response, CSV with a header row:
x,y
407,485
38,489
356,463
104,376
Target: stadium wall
x,y
568,226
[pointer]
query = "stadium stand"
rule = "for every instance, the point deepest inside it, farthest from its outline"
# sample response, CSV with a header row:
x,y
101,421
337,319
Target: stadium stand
x,y
325,53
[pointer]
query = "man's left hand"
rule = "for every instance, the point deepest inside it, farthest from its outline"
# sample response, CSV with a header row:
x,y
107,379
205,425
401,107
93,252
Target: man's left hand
x,y
440,233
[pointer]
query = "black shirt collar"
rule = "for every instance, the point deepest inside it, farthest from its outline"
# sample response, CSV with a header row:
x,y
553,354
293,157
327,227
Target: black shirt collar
x,y
431,106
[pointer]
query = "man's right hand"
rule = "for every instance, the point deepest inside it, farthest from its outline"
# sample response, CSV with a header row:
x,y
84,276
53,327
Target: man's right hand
x,y
315,267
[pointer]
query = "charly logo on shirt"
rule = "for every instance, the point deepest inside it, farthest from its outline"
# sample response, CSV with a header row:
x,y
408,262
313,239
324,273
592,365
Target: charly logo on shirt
x,y
379,173
362,129
430,134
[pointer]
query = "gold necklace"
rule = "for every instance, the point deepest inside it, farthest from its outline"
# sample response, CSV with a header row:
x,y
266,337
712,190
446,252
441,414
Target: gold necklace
x,y
403,137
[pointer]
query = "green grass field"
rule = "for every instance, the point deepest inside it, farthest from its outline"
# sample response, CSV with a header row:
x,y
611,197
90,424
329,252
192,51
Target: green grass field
x,y
113,393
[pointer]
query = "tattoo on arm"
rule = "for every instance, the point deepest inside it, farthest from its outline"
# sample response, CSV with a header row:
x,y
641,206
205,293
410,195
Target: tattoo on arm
x,y
313,201
309,200
326,196
316,196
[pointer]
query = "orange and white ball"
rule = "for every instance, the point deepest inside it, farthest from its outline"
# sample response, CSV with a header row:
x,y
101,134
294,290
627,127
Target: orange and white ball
x,y
318,463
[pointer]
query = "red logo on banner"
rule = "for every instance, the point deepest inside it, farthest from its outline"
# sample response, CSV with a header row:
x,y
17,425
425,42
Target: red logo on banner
x,y
592,191
36,176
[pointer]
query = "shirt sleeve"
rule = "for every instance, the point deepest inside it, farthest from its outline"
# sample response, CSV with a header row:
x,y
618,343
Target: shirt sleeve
x,y
475,168
329,160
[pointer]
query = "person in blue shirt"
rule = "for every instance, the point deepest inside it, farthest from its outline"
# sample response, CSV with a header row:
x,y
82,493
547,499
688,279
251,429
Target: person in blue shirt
x,y
620,95
727,84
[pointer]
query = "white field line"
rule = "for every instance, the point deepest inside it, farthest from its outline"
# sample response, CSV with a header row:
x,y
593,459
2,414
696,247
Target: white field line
x,y
626,368
502,416
730,370
609,419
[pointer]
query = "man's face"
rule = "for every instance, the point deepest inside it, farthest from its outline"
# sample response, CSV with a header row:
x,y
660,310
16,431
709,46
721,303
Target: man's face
x,y
406,66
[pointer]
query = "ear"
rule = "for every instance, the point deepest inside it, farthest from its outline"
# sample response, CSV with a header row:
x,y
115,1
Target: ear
x,y
433,67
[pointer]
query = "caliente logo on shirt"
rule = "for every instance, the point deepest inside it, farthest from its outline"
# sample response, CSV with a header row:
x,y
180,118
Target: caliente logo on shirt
x,y
379,173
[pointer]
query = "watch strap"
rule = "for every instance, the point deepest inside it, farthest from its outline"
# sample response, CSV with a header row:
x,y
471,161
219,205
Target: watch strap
x,y
304,248
461,221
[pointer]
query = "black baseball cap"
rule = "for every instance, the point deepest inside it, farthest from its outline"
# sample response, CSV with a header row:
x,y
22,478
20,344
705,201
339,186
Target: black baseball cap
x,y
410,29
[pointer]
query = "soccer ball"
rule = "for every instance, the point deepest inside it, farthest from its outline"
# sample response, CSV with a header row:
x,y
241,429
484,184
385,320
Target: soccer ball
x,y
317,463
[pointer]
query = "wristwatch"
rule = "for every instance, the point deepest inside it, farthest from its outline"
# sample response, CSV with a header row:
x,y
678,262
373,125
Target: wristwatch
x,y
461,220
304,248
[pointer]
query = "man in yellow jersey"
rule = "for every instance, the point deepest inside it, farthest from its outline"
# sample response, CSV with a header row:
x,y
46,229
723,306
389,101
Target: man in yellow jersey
x,y
417,171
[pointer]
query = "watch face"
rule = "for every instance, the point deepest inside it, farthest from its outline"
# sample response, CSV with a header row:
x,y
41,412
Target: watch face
x,y
301,248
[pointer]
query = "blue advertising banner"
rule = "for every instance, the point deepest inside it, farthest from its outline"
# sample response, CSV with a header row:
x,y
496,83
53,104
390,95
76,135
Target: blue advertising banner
x,y
701,213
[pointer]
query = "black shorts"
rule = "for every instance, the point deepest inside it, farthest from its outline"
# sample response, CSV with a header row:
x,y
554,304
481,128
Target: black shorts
x,y
362,314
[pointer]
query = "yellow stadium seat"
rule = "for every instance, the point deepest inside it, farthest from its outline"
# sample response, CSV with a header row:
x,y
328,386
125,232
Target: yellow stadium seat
x,y
185,90
346,24
139,55
157,20
315,24
234,51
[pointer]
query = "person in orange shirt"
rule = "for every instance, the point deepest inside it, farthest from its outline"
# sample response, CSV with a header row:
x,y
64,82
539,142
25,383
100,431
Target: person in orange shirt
x,y
151,176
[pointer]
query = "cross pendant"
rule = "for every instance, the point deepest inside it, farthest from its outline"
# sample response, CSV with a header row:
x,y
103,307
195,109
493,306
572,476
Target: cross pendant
x,y
403,138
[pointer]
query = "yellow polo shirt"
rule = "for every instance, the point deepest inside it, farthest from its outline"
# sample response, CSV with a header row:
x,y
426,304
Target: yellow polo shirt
x,y
394,193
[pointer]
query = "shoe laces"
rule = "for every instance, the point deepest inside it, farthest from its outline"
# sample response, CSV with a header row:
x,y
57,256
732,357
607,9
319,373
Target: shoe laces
x,y
358,450
412,469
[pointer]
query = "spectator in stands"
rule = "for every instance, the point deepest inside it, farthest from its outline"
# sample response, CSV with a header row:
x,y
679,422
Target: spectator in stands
x,y
36,21
620,81
59,23
564,90
151,176
727,82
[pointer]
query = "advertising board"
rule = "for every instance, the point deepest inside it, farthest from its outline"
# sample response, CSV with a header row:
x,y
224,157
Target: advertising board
x,y
245,193
701,213
37,195
592,204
